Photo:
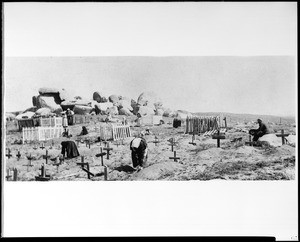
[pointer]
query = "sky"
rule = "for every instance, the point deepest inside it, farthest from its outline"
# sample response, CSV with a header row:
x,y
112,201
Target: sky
x,y
227,57
257,85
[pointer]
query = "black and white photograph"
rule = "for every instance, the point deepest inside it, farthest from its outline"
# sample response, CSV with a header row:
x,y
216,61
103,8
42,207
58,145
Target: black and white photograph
x,y
150,119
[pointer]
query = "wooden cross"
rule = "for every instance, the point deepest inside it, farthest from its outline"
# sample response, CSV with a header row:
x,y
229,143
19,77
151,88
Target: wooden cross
x,y
172,143
15,174
29,162
105,173
283,135
101,154
87,170
43,176
108,150
43,146
8,174
46,156
156,141
8,154
218,137
82,163
174,158
193,138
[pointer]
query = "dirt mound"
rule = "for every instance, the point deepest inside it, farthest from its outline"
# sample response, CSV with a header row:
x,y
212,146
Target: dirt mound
x,y
157,171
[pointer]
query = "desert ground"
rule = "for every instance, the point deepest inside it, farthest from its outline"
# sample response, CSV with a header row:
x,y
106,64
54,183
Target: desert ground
x,y
200,161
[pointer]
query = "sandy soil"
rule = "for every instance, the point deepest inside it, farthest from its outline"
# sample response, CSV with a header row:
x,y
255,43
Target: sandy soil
x,y
203,161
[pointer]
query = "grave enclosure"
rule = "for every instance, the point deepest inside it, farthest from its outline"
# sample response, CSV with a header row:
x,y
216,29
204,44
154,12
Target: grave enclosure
x,y
114,131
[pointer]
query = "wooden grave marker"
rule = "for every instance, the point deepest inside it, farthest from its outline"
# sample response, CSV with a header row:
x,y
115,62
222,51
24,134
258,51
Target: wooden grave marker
x,y
8,174
101,154
172,143
174,158
43,146
8,154
43,176
87,169
218,137
18,154
283,135
108,149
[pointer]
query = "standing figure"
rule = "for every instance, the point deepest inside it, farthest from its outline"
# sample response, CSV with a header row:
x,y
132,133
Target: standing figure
x,y
139,152
70,115
261,131
65,123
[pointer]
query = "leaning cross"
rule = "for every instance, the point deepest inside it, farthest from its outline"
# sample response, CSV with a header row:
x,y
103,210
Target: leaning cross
x,y
87,170
174,158
282,135
218,137
108,150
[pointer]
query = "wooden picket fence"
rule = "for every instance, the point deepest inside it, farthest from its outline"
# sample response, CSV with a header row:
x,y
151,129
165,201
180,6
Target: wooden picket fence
x,y
41,133
200,125
81,119
114,131
120,131
51,122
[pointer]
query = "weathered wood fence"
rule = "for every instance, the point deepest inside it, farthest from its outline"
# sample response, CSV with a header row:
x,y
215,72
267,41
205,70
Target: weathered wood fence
x,y
81,119
41,133
199,125
114,131
51,122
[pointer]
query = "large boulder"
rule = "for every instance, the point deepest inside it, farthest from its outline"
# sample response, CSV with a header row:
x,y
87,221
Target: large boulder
x,y
25,115
47,102
273,140
98,97
125,111
83,102
43,111
147,98
125,103
144,110
102,107
79,109
68,104
113,98
113,110
59,95
31,109
167,112
34,101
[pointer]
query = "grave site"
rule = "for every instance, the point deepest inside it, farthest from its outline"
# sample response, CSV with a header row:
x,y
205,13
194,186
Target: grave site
x,y
181,145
